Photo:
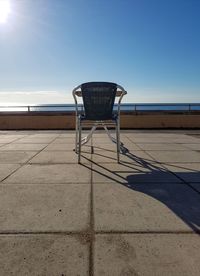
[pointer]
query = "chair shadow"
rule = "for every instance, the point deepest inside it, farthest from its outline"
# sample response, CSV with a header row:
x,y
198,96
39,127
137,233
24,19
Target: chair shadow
x,y
179,196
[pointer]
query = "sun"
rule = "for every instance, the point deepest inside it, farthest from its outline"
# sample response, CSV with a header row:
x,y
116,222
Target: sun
x,y
4,10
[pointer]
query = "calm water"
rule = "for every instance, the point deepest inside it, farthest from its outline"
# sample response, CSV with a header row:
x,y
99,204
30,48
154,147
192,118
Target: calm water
x,y
124,107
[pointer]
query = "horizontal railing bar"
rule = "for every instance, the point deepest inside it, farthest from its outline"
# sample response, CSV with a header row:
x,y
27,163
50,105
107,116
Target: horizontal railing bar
x,y
131,107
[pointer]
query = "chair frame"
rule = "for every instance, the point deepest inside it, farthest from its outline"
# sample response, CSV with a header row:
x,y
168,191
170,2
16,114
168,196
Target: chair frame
x,y
79,141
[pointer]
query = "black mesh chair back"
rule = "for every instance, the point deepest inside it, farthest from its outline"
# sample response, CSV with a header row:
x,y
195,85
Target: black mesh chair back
x,y
98,100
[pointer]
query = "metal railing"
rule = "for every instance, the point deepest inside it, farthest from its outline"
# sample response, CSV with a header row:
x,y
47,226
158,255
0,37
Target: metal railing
x,y
126,107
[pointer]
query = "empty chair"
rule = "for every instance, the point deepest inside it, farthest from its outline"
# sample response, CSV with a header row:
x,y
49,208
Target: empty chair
x,y
98,100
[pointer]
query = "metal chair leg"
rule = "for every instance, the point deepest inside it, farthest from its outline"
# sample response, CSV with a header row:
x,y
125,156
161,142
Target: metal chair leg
x,y
118,140
76,140
79,142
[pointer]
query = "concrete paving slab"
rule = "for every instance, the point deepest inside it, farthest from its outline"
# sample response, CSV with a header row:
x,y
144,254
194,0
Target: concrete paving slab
x,y
103,134
43,208
12,135
132,173
105,147
146,207
154,134
106,140
100,140
17,157
111,157
187,140
66,147
189,172
59,147
54,134
104,156
175,156
41,255
8,139
154,140
23,147
168,147
131,146
147,255
7,169
51,174
35,140
164,140
68,134
68,140
192,146
58,157
112,147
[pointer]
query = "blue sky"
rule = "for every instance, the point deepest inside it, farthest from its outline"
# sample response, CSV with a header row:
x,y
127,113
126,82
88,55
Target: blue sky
x,y
151,47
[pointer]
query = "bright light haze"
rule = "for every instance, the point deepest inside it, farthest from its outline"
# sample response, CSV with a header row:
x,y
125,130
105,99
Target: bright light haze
x,y
4,10
150,47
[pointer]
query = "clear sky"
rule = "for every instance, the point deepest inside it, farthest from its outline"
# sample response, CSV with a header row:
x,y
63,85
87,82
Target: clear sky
x,y
151,47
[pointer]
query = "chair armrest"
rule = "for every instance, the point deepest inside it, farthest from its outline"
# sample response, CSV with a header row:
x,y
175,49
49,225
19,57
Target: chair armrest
x,y
76,93
120,93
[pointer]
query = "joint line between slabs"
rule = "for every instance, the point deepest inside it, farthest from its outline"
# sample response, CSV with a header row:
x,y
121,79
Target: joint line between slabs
x,y
92,233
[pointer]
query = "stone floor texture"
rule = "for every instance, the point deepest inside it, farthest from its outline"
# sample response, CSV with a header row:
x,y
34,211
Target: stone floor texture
x,y
61,218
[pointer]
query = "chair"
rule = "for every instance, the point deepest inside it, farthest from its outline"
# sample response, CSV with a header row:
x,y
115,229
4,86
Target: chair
x,y
98,110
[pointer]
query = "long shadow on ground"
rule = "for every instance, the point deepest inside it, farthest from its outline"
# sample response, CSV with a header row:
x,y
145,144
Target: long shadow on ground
x,y
144,176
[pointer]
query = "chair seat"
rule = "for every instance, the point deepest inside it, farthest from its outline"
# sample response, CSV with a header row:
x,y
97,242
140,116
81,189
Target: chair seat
x,y
83,117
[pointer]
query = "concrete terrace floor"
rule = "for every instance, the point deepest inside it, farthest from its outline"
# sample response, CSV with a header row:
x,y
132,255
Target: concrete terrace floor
x,y
140,217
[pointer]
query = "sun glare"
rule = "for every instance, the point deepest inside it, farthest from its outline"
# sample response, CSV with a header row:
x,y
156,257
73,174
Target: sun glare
x,y
4,10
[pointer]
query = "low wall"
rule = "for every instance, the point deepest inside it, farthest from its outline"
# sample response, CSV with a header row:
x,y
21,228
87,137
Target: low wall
x,y
50,120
